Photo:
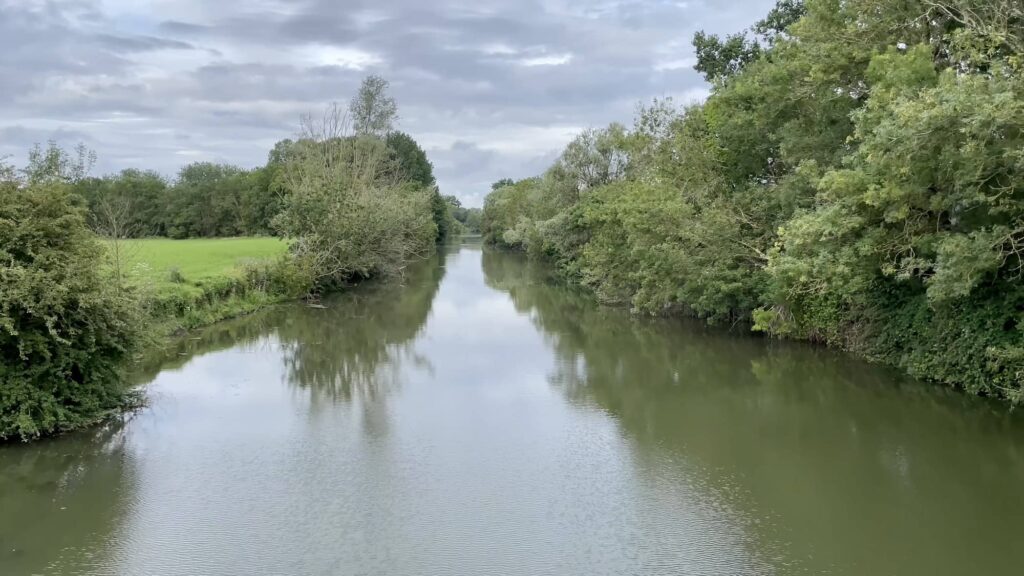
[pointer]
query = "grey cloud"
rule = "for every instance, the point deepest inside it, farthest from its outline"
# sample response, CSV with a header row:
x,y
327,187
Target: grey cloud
x,y
175,27
141,43
155,88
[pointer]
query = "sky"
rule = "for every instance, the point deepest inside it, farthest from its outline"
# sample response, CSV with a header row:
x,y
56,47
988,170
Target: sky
x,y
489,88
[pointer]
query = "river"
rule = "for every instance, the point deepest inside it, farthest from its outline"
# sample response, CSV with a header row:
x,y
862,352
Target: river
x,y
481,418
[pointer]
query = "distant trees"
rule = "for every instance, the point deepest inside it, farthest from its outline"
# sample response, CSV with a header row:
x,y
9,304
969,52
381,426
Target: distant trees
x,y
468,219
208,199
205,200
854,178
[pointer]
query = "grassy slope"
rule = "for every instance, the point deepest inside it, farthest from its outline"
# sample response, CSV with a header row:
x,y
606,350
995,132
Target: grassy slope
x,y
197,260
210,269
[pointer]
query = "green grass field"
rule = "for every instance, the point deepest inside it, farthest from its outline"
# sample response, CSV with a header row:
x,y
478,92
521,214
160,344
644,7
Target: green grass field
x,y
192,283
197,260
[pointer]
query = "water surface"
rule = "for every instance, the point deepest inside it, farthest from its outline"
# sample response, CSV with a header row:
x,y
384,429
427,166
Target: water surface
x,y
480,418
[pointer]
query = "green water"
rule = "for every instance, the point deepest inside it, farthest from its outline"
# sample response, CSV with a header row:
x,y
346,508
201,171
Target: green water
x,y
482,419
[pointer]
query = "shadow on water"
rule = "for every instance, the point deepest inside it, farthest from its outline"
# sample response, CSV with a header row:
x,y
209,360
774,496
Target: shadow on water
x,y
62,501
838,466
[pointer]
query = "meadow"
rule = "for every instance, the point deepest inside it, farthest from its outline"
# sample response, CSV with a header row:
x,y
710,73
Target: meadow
x,y
194,282
164,263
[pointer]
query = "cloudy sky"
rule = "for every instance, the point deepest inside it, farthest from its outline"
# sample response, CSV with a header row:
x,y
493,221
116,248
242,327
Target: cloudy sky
x,y
490,88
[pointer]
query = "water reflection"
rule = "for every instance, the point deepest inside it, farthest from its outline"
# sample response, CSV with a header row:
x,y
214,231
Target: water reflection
x,y
836,466
56,509
349,346
483,418
358,344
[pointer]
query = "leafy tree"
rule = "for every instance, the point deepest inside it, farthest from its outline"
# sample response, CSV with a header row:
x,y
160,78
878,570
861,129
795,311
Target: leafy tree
x,y
207,200
54,164
142,193
410,160
412,166
719,59
348,213
502,183
373,111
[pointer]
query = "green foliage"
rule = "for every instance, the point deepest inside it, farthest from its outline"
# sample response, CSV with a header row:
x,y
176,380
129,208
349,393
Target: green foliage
x,y
464,220
349,212
410,160
142,194
502,183
372,110
53,164
412,166
855,178
66,331
720,59
72,307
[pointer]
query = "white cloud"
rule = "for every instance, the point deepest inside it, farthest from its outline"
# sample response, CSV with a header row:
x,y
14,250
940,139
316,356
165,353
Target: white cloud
x,y
343,56
675,64
548,60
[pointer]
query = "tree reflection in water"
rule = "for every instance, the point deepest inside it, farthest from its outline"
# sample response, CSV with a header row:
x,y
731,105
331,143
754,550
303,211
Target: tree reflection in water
x,y
824,456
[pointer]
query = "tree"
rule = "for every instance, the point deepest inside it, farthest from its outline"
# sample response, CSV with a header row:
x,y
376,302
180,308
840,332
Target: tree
x,y
54,164
502,183
114,218
348,213
410,160
373,112
720,59
854,178
776,24
207,200
411,165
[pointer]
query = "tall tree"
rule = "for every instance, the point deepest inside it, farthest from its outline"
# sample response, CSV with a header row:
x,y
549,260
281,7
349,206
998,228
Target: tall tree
x,y
373,111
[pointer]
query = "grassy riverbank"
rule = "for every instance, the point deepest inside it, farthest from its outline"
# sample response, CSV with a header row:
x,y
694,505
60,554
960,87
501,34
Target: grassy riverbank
x,y
190,283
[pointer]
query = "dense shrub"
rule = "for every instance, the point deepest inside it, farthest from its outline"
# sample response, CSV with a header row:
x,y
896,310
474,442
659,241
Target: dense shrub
x,y
66,331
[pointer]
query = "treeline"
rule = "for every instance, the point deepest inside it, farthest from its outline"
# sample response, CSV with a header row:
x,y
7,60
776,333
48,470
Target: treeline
x,y
856,178
353,197
208,199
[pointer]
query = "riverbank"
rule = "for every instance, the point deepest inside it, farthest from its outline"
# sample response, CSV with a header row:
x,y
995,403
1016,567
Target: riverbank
x,y
187,284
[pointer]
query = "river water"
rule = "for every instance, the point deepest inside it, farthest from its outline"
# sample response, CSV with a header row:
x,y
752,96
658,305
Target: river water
x,y
480,418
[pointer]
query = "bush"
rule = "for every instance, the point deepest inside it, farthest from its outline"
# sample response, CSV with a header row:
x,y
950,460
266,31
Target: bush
x,y
175,276
66,331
